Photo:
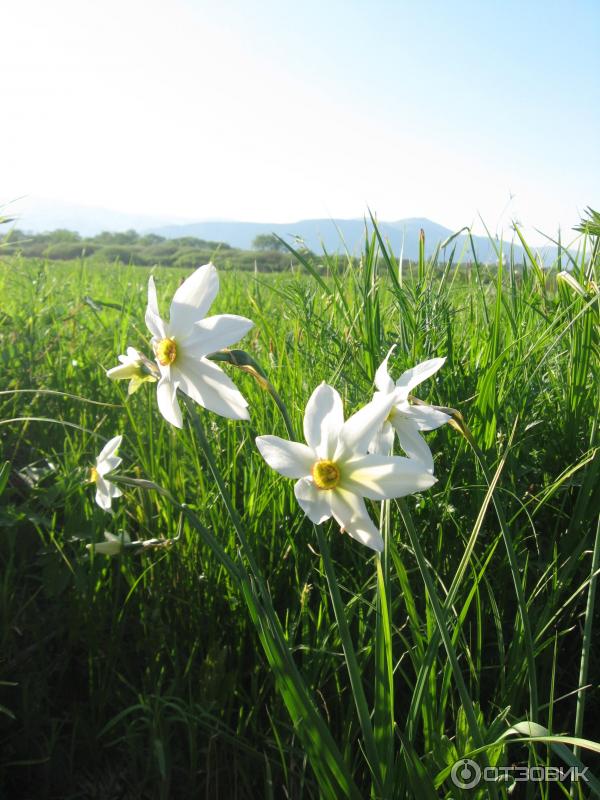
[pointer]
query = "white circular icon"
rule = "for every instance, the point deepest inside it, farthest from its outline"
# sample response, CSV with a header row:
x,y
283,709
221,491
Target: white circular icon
x,y
466,774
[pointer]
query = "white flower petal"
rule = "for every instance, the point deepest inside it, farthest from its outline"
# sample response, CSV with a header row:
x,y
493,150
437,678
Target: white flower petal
x,y
572,282
412,442
107,464
123,371
152,298
323,420
359,429
109,448
208,385
383,381
112,546
383,441
427,418
106,548
153,319
166,396
217,332
384,477
117,537
351,514
113,490
416,375
156,326
193,298
290,459
315,503
103,497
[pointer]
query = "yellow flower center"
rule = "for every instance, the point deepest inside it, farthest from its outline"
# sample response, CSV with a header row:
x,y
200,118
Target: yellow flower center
x,y
93,475
166,352
392,414
326,474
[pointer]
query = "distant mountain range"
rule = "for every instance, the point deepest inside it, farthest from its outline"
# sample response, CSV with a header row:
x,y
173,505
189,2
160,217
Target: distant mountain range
x,y
335,235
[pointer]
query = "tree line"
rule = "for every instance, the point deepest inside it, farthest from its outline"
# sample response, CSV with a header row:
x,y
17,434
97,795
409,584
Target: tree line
x,y
147,249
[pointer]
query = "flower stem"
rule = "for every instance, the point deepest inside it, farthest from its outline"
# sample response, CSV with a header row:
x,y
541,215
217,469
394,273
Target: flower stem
x,y
442,625
518,584
244,361
358,691
383,717
328,763
223,490
587,639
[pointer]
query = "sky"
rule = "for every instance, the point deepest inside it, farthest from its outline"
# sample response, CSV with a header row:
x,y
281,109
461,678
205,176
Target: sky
x,y
279,111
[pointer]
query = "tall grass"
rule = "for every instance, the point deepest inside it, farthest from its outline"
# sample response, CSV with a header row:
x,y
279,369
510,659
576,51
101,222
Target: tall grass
x,y
291,662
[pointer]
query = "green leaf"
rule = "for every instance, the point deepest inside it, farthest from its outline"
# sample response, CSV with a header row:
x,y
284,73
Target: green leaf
x,y
4,473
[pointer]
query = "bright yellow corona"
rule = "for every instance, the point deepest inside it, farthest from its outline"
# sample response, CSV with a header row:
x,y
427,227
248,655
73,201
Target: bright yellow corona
x,y
326,474
166,352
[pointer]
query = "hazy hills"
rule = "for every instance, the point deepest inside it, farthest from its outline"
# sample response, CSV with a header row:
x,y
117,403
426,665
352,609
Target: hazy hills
x,y
331,234
36,215
335,235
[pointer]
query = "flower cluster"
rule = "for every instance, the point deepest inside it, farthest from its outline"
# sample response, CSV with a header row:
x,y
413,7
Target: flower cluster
x,y
407,419
182,344
341,463
335,471
181,348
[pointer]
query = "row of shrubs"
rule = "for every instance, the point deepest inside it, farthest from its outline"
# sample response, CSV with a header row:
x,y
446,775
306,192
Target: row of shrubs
x,y
143,250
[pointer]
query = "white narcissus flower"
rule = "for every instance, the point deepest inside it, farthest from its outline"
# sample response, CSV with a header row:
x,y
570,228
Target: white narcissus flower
x,y
334,470
131,368
182,344
105,463
112,546
404,418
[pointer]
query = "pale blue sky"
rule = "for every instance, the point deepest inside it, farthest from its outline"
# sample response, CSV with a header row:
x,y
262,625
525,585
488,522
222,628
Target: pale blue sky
x,y
276,111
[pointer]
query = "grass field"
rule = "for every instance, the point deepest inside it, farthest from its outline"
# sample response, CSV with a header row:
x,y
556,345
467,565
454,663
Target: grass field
x,y
257,657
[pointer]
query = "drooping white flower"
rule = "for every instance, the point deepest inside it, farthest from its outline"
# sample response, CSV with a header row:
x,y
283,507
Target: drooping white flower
x,y
134,367
112,546
334,471
115,544
405,418
105,463
571,280
182,344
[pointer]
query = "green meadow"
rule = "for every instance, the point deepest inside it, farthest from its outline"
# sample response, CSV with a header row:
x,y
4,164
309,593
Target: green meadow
x,y
247,654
